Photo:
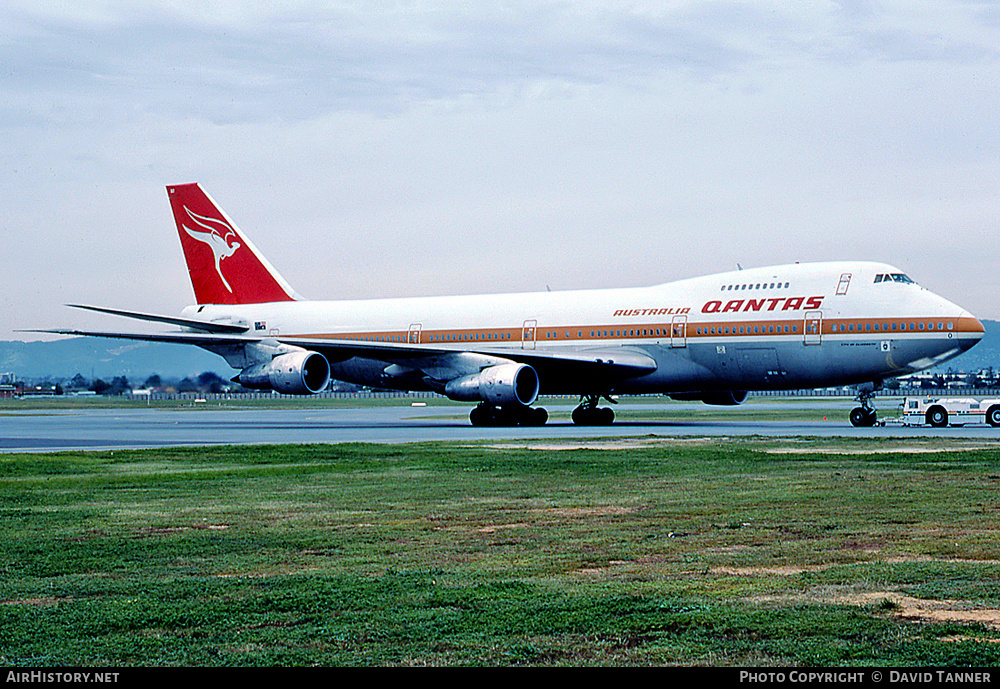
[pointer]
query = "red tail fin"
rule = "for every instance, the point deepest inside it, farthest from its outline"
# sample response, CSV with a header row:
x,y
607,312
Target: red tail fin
x,y
225,266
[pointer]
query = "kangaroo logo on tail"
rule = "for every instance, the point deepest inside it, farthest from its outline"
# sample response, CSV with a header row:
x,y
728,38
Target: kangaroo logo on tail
x,y
225,267
217,235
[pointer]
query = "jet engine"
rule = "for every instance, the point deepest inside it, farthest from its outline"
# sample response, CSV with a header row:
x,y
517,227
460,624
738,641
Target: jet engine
x,y
725,398
295,373
504,384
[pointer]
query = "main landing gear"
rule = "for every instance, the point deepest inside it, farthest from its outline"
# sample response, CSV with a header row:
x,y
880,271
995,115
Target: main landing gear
x,y
864,415
490,415
589,414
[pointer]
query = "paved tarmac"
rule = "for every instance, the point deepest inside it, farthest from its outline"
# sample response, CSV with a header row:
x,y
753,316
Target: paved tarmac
x,y
142,427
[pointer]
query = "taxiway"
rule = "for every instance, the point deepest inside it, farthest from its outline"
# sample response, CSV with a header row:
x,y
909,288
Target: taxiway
x,y
47,430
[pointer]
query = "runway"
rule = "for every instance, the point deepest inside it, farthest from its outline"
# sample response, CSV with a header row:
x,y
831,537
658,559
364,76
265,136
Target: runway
x,y
143,427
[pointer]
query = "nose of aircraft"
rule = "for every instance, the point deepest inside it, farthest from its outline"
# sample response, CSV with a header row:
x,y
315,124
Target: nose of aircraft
x,y
971,330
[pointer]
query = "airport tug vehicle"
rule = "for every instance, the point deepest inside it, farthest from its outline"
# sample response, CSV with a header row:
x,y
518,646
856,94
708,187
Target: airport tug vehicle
x,y
940,412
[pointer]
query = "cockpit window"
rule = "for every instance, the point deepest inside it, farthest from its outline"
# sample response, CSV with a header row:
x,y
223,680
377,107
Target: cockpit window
x,y
894,277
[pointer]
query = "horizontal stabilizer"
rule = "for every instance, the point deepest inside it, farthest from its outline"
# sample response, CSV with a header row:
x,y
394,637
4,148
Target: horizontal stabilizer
x,y
204,326
199,339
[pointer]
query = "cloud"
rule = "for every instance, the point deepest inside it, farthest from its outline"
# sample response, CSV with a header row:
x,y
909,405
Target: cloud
x,y
385,149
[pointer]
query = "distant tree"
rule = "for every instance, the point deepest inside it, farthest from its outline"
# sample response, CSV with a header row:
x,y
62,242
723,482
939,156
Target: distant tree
x,y
210,381
119,385
78,382
154,381
99,386
187,385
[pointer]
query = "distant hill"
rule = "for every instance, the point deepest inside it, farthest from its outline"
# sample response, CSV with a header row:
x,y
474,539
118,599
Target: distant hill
x,y
982,356
94,357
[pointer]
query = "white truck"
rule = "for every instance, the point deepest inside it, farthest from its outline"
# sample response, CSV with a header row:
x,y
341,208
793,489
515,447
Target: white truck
x,y
950,411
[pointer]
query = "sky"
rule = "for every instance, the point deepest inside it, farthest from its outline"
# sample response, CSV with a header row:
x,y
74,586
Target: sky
x,y
382,149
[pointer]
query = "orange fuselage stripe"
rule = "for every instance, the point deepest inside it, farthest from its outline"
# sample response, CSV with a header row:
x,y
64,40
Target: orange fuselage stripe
x,y
878,327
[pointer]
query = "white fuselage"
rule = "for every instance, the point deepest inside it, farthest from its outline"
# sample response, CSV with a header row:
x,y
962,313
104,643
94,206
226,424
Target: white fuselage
x,y
799,325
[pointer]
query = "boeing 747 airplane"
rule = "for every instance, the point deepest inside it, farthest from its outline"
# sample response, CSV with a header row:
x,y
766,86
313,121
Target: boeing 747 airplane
x,y
711,338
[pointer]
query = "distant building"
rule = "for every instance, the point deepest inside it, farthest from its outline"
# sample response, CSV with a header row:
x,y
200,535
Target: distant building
x,y
9,387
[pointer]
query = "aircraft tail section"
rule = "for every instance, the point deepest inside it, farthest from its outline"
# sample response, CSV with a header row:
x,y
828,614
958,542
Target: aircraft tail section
x,y
225,267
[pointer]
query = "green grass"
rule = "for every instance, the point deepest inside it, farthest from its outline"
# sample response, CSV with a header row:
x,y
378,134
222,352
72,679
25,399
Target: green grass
x,y
688,552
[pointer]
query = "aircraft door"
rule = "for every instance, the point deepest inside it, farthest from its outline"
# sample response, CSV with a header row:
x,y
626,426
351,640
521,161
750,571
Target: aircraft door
x,y
528,334
813,328
678,331
844,284
414,335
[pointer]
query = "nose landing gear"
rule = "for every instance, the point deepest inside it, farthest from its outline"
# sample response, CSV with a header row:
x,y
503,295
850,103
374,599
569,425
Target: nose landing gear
x,y
865,415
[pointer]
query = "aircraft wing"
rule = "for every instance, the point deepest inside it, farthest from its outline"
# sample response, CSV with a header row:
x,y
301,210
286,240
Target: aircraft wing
x,y
595,364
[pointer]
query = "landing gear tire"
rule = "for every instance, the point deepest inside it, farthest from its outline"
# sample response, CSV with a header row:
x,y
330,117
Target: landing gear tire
x,y
993,416
487,415
593,416
479,416
857,417
539,417
863,418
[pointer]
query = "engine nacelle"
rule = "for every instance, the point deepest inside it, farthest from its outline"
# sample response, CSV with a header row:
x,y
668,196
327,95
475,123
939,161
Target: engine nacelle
x,y
294,373
725,398
502,385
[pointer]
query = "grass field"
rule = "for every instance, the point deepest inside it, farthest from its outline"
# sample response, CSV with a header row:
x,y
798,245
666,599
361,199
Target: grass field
x,y
635,552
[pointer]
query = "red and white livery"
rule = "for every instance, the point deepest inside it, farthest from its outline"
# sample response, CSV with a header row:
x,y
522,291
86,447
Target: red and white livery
x,y
710,338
